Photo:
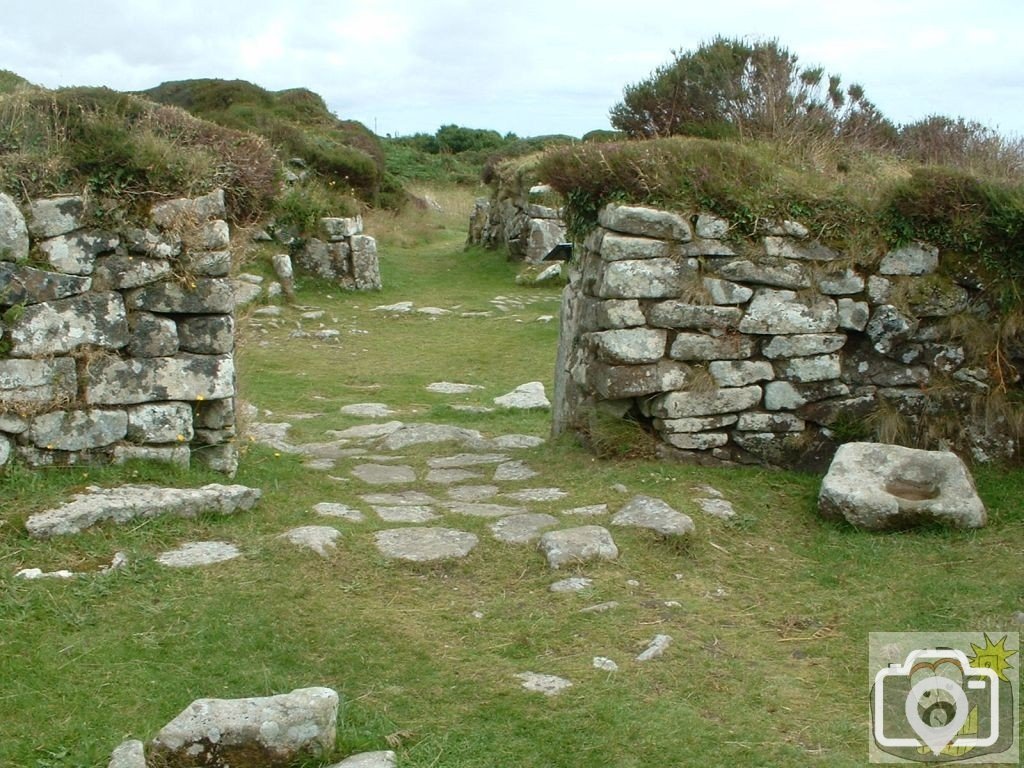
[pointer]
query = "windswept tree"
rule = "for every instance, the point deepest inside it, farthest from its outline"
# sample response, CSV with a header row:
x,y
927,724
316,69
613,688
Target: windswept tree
x,y
732,88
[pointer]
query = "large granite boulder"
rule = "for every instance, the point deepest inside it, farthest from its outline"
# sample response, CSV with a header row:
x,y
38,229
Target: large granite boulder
x,y
883,487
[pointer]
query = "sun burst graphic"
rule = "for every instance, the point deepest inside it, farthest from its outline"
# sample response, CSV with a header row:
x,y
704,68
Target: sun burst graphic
x,y
993,656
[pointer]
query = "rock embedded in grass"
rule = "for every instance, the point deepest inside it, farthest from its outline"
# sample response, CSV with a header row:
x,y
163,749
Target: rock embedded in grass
x,y
197,553
654,514
423,545
549,685
383,474
578,545
525,397
522,529
319,538
383,759
655,648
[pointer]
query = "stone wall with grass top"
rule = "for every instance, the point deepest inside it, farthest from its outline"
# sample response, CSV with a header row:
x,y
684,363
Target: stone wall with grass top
x,y
773,348
117,343
520,221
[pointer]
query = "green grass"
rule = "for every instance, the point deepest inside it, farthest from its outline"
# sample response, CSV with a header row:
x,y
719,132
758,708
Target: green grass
x,y
769,613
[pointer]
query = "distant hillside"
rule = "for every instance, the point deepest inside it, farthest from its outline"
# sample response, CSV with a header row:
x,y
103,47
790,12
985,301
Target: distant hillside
x,y
9,81
342,153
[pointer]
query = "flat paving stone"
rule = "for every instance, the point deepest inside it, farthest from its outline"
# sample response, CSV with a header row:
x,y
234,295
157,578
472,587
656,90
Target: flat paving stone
x,y
422,545
450,476
319,538
537,494
196,553
333,509
466,460
407,514
510,442
481,509
653,514
368,410
366,431
418,434
514,470
549,685
384,474
473,492
578,545
452,388
320,465
398,308
572,584
592,510
402,498
522,529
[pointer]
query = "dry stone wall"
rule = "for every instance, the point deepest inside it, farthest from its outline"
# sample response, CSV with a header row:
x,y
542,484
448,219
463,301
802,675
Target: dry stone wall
x,y
342,254
517,222
117,344
767,350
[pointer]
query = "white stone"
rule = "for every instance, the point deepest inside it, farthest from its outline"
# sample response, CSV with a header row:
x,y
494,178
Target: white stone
x,y
399,308
197,553
740,373
682,314
615,247
334,509
879,289
406,514
592,510
780,312
783,247
644,278
549,685
422,545
846,282
629,345
605,664
769,422
513,442
418,434
525,397
58,327
382,759
473,492
727,292
696,423
803,344
53,216
676,405
452,388
368,410
815,368
653,514
913,259
655,648
697,441
711,227
572,584
13,231
513,470
578,545
128,754
646,222
719,508
319,538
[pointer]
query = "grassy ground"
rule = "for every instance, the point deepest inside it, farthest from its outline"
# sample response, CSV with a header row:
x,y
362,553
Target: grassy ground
x,y
769,613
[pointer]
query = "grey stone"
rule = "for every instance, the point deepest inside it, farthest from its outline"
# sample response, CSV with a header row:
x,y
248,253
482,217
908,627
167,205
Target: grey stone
x,y
384,474
119,272
783,275
5,450
482,509
466,460
206,263
715,507
12,423
450,476
76,254
853,315
542,235
577,545
601,607
473,492
605,664
513,470
213,235
702,248
402,498
616,247
418,434
423,545
513,442
368,410
803,345
207,334
655,648
20,284
781,312
711,227
646,222
549,685
243,293
616,382
383,759
527,396
399,308
452,388
676,405
55,216
185,211
785,395
215,414
695,423
727,292
881,487
879,289
643,278
654,514
367,431
681,314
740,373
629,345
197,553
696,441
700,346
152,243
128,754
802,370
338,228
841,284
537,494
406,514
888,328
782,247
185,378
128,502
177,455
13,232
611,314
936,296
270,731
77,430
322,539
32,384
201,296
522,529
58,327
572,584
334,509
913,259
160,423
365,267
151,335
769,422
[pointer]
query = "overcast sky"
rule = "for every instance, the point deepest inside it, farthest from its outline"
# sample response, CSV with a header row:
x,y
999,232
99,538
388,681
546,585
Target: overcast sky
x,y
531,67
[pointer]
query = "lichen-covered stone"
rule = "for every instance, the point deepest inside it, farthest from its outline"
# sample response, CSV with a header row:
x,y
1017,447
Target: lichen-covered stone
x,y
365,266
207,334
13,232
55,216
78,430
785,275
151,335
215,414
646,222
113,381
335,229
913,259
802,370
712,227
788,396
206,263
654,514
118,272
75,254
740,373
31,384
785,248
676,405
202,295
681,314
597,315
629,345
696,423
841,284
152,244
643,278
888,328
177,455
542,235
727,292
803,345
781,312
700,346
160,423
578,545
935,296
769,422
696,441
58,327
617,247
615,382
185,211
853,315
20,284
